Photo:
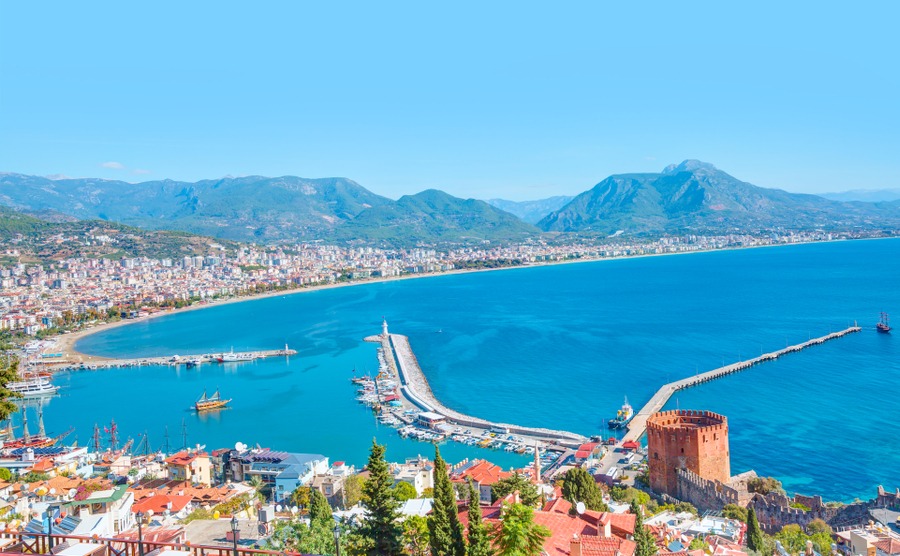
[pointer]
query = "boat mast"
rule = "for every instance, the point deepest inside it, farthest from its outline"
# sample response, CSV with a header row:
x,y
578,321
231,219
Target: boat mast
x,y
96,438
183,434
41,432
25,436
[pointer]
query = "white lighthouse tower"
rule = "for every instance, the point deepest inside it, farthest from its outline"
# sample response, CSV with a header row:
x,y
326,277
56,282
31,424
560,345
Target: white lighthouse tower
x,y
384,330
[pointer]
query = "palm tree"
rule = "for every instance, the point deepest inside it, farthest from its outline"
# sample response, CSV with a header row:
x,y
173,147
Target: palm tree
x,y
517,534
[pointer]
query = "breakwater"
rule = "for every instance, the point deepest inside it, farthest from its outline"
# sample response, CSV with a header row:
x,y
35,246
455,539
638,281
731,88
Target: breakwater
x,y
414,387
173,360
638,425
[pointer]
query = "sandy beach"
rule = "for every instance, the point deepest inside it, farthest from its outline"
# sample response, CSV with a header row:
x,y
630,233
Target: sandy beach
x,y
65,343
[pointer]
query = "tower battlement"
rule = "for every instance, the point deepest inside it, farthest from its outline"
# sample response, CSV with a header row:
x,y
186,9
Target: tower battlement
x,y
693,440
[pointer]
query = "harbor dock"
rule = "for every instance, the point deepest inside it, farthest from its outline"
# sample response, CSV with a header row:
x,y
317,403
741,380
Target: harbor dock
x,y
171,360
638,425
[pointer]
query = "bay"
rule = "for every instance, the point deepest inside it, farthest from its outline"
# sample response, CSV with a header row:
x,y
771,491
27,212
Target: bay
x,y
557,346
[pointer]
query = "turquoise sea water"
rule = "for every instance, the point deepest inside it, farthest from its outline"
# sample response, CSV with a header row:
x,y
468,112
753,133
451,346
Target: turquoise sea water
x,y
556,346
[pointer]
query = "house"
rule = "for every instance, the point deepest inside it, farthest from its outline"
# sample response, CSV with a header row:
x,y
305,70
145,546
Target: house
x,y
113,504
418,471
192,467
588,534
282,471
483,474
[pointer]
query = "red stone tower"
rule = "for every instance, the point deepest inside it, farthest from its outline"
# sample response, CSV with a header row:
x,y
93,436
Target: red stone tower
x,y
693,440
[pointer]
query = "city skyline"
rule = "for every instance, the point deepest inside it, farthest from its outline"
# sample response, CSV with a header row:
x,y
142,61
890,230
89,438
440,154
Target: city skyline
x,y
520,104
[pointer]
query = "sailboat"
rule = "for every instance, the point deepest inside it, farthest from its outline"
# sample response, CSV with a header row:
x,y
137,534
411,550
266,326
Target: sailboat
x,y
210,403
40,440
883,326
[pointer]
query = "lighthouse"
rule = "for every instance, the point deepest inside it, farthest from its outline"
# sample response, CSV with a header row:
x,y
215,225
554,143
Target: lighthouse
x,y
384,330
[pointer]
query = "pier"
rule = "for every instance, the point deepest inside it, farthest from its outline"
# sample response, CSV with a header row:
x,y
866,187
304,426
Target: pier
x,y
415,389
171,360
638,425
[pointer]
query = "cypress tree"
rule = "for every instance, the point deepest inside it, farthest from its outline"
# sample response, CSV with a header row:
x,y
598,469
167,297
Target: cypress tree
x,y
479,542
646,543
444,528
319,508
381,527
754,533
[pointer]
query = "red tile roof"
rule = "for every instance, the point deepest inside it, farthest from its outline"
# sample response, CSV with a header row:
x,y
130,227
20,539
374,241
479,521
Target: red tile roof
x,y
161,503
889,546
184,457
483,473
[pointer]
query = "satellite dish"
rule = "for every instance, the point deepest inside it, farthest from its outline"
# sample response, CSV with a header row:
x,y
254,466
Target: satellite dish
x,y
52,492
150,513
72,493
278,507
24,487
294,509
579,507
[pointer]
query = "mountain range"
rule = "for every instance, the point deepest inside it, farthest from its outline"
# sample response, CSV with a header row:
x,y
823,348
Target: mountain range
x,y
531,211
691,197
697,197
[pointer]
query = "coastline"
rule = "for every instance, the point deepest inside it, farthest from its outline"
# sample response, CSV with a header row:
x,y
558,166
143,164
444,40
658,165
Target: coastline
x,y
66,343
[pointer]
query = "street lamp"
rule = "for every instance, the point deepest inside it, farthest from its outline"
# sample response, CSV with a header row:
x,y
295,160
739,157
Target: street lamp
x,y
140,519
48,513
337,539
234,533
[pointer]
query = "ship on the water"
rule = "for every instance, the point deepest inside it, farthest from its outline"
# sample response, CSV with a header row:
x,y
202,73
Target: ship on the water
x,y
623,416
32,387
884,325
210,403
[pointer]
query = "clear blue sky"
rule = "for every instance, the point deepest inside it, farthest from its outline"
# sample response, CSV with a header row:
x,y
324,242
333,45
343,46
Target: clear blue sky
x,y
480,99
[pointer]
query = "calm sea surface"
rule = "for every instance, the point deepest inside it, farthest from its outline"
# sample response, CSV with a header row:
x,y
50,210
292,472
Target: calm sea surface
x,y
555,346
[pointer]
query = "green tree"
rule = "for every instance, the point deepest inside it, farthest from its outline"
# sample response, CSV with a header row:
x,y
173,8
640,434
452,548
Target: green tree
x,y
445,530
579,486
9,372
381,526
733,511
5,475
528,493
319,509
764,485
300,496
819,526
629,494
404,491
517,534
415,536
643,538
479,541
353,490
698,543
754,532
792,538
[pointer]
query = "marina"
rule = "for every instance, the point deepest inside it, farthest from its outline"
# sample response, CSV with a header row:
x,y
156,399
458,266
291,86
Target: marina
x,y
402,398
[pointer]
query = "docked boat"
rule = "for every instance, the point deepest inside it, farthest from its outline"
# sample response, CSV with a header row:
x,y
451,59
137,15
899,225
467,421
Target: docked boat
x,y
623,416
883,326
210,403
195,362
232,357
32,387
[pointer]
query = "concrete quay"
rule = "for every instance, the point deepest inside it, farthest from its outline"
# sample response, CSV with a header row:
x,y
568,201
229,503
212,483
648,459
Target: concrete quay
x,y
171,360
638,425
415,388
